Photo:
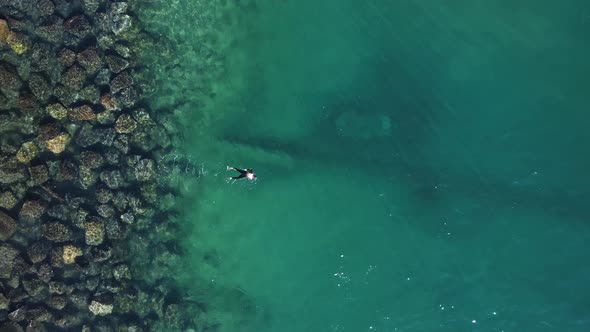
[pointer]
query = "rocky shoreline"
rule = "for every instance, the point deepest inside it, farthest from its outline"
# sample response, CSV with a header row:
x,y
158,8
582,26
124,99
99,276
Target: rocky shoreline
x,y
80,197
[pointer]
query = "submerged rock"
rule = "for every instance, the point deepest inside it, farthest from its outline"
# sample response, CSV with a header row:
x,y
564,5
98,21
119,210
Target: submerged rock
x,y
9,79
31,211
45,7
78,26
70,252
113,179
7,226
90,60
66,57
27,152
7,256
91,159
40,87
82,113
7,200
74,77
51,29
125,124
116,64
94,233
38,251
100,309
120,82
39,174
58,144
57,232
11,171
57,111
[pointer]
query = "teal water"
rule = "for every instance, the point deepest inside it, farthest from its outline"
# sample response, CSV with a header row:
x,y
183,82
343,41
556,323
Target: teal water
x,y
422,166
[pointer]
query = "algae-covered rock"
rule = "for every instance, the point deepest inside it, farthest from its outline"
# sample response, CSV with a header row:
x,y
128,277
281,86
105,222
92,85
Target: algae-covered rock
x,y
144,170
90,60
40,87
57,111
38,251
27,152
89,93
120,82
7,226
82,113
7,256
74,77
3,31
91,159
18,43
78,26
94,233
51,29
66,57
45,7
31,211
12,171
7,200
39,174
109,102
113,179
87,177
9,79
57,302
58,144
57,232
70,252
116,64
125,124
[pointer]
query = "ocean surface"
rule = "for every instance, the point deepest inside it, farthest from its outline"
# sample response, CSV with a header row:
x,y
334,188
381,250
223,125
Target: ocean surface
x,y
422,165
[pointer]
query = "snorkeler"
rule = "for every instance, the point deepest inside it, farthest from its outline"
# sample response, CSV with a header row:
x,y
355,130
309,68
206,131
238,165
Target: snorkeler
x,y
247,173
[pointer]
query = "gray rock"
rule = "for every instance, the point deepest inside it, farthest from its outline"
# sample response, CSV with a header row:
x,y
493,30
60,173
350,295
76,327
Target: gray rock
x,y
67,96
12,171
106,117
86,177
79,299
43,58
91,159
122,143
7,226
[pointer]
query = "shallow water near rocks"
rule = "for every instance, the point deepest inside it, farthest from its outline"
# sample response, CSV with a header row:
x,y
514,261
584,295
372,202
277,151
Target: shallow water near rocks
x,y
420,166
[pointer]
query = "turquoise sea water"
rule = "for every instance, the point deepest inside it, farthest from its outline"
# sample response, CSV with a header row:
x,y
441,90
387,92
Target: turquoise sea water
x,y
422,165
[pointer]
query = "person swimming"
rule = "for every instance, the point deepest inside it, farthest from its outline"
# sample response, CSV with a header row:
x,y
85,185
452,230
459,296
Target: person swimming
x,y
244,173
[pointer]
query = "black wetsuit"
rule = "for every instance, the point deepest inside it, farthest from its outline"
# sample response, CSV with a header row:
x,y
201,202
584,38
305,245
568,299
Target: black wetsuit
x,y
244,173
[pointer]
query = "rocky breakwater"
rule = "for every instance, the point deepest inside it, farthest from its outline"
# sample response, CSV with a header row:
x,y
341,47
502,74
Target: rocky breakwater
x,y
78,193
